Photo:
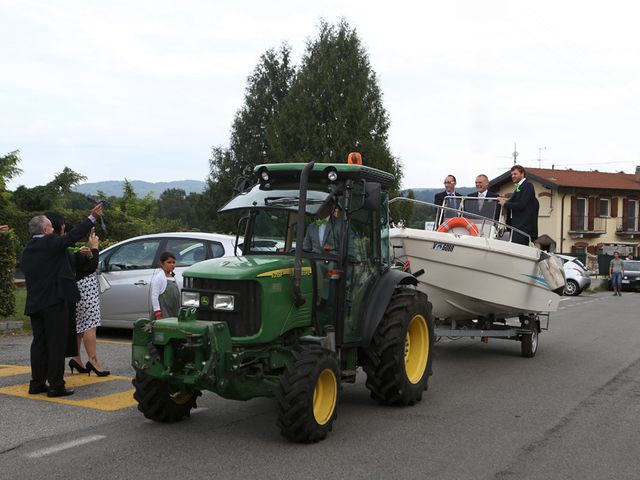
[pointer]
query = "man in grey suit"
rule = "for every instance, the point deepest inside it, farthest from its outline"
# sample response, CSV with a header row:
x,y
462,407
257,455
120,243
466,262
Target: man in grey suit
x,y
322,236
481,206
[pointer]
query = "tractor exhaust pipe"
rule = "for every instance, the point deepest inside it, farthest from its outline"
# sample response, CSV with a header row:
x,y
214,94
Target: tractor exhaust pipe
x,y
302,208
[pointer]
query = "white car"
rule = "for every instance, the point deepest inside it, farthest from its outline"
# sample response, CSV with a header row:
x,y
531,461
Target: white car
x,y
576,274
129,266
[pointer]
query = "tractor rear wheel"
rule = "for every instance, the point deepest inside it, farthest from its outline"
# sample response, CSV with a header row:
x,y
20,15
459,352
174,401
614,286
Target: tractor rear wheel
x,y
398,360
161,401
308,394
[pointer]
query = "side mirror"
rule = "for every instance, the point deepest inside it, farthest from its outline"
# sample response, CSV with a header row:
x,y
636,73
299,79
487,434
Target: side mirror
x,y
372,196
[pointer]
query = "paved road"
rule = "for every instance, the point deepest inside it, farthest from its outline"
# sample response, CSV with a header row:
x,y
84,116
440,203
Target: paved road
x,y
571,412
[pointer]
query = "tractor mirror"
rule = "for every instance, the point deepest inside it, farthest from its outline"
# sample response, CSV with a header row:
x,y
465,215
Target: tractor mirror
x,y
372,194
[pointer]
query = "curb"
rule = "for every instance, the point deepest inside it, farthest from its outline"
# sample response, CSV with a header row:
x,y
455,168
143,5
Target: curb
x,y
10,326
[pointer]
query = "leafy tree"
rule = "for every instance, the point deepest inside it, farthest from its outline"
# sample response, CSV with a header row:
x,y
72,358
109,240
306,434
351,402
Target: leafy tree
x,y
334,104
7,272
65,180
174,204
9,168
404,211
36,199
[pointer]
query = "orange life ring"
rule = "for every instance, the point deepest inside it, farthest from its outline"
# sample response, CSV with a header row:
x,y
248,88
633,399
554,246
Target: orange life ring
x,y
454,222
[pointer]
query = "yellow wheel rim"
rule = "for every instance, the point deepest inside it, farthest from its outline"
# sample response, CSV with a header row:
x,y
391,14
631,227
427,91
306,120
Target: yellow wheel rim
x,y
416,349
325,396
179,397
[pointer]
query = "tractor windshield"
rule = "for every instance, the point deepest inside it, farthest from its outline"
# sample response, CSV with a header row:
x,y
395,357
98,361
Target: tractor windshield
x,y
281,196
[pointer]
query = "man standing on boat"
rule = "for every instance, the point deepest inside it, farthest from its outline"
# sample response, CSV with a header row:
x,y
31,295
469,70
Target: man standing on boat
x,y
522,207
481,206
452,197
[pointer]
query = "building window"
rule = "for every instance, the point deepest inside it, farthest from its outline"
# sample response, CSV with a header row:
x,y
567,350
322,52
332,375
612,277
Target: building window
x,y
603,207
632,216
581,213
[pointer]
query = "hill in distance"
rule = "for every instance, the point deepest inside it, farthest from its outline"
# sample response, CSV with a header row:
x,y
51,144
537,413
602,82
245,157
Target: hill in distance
x,y
427,194
114,187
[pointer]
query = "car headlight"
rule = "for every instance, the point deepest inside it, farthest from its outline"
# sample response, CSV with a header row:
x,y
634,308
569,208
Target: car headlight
x,y
224,302
190,299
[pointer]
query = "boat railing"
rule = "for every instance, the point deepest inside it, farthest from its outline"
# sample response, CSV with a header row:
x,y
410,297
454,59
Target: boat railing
x,y
486,219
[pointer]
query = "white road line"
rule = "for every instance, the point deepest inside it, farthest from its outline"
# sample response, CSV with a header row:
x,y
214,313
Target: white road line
x,y
64,446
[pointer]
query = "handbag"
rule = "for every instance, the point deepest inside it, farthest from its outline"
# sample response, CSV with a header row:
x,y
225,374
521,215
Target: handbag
x,y
103,283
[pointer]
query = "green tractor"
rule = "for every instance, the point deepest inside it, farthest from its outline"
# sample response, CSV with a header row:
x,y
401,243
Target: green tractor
x,y
312,297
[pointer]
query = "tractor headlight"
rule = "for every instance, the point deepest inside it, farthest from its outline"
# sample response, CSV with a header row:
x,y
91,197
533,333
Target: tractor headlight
x,y
190,299
224,302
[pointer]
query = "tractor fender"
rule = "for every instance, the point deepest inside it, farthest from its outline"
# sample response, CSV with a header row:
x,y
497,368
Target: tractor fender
x,y
379,299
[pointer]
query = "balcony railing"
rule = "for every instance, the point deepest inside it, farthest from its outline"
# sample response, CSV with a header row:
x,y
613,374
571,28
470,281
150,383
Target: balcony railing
x,y
627,226
587,225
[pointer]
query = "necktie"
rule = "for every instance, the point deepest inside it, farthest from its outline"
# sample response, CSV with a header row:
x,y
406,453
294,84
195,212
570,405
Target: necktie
x,y
480,201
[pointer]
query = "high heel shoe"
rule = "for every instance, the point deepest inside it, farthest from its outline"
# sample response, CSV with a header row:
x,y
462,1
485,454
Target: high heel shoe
x,y
73,365
92,368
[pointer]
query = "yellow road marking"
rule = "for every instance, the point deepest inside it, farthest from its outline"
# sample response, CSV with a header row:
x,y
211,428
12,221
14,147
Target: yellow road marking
x,y
115,342
107,403
11,370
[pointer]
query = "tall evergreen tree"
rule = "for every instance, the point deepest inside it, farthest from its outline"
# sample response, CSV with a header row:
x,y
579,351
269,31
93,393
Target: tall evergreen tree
x,y
334,104
267,86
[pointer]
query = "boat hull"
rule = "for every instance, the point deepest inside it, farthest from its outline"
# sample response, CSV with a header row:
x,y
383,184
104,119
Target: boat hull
x,y
469,277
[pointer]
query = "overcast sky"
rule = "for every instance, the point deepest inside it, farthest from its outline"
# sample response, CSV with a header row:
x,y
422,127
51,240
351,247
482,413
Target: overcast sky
x,y
143,89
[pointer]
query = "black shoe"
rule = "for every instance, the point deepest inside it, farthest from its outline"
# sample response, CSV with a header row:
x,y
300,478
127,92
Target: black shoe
x,y
35,389
91,368
59,392
73,365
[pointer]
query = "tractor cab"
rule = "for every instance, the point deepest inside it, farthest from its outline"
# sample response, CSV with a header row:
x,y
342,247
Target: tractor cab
x,y
338,232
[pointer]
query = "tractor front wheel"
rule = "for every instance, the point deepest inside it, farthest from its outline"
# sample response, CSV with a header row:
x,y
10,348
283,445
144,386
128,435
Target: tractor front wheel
x,y
398,360
163,402
308,394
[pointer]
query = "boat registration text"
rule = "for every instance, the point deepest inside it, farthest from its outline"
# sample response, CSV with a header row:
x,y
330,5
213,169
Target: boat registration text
x,y
443,247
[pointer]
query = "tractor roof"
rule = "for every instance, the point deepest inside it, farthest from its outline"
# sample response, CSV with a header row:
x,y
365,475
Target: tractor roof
x,y
292,171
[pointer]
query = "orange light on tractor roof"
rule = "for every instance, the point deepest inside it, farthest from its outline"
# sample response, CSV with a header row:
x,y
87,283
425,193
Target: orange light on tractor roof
x,y
354,158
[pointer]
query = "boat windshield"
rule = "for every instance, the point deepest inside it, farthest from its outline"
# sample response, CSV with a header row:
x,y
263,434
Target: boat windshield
x,y
457,214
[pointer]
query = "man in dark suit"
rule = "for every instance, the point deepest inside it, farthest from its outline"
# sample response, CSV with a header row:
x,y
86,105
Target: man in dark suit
x,y
522,207
448,198
51,284
481,206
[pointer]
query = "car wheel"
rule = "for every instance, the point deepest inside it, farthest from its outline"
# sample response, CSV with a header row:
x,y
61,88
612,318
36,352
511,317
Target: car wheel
x,y
571,288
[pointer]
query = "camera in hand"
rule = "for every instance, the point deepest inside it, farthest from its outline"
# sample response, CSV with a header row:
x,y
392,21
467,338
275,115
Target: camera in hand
x,y
96,200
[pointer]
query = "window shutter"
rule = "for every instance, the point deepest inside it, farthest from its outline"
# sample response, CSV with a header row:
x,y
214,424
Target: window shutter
x,y
574,209
573,248
614,207
592,213
625,214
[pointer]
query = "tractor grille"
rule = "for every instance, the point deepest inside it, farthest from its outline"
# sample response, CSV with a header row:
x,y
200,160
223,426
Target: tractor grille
x,y
245,320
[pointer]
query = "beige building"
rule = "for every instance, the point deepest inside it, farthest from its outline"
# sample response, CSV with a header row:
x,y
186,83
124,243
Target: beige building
x,y
583,212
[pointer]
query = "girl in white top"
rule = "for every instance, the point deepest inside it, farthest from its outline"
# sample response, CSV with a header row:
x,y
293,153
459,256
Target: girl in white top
x,y
165,294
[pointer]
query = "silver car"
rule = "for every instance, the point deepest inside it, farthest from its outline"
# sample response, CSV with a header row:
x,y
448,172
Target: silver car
x,y
576,274
129,266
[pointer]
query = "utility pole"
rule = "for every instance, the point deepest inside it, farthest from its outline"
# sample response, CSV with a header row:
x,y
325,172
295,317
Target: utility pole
x,y
515,154
540,156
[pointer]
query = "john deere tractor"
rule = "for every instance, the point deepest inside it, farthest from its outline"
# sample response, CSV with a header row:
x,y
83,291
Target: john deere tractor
x,y
290,319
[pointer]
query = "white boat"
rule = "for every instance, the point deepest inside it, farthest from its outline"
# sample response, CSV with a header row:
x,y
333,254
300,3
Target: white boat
x,y
473,271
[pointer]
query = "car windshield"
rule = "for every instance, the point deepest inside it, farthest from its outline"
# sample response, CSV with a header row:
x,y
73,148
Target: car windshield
x,y
631,265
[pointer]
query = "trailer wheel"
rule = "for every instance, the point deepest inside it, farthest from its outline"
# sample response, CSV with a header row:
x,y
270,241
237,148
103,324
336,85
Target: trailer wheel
x,y
308,394
398,360
529,342
161,401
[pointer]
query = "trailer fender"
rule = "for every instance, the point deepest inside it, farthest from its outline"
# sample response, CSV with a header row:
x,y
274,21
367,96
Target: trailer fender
x,y
379,299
